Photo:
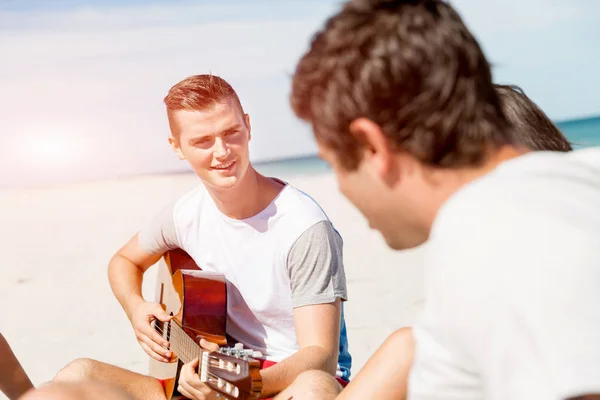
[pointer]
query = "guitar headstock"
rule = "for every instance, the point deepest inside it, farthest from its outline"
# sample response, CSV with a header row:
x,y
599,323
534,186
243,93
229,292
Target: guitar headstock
x,y
232,372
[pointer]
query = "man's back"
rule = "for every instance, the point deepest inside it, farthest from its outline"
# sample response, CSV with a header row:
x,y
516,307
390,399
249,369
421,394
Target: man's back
x,y
514,284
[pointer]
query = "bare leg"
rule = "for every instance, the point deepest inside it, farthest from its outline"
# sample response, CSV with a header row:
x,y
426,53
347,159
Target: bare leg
x,y
88,390
140,387
385,375
13,379
312,385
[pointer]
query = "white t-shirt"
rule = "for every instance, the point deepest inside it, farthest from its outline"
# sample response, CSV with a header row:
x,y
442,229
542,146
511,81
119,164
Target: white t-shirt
x,y
288,255
513,285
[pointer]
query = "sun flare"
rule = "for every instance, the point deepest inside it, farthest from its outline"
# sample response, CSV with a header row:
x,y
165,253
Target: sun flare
x,y
50,151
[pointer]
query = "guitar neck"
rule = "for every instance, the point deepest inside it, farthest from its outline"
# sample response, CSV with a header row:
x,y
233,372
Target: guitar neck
x,y
182,345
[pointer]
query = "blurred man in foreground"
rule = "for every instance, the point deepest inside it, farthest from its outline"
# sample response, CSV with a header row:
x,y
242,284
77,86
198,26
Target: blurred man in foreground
x,y
401,101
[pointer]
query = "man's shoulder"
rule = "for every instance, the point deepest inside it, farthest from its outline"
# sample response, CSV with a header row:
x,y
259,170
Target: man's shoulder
x,y
189,203
590,156
541,183
474,202
517,214
298,214
296,204
182,210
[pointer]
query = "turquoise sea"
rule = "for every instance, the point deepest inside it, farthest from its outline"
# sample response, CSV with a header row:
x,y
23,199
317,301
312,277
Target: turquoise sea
x,y
582,132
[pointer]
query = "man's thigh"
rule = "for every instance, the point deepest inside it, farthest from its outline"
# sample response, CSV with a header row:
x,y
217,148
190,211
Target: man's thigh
x,y
84,390
141,387
312,385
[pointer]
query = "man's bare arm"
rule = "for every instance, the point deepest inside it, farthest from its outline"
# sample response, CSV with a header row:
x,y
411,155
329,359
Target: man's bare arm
x,y
14,382
318,334
125,272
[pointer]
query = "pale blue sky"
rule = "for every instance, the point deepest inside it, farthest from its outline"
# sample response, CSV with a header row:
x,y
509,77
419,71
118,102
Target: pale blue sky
x,y
83,81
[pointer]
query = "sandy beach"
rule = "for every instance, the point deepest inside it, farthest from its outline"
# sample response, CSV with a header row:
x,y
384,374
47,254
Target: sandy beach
x,y
54,293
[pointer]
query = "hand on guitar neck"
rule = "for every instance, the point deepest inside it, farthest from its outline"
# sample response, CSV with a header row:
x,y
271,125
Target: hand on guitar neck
x,y
142,314
190,384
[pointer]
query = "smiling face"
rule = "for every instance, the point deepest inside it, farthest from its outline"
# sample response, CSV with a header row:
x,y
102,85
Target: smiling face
x,y
214,142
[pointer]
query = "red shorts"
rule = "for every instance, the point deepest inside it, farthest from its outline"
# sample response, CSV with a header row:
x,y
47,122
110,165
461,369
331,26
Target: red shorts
x,y
266,364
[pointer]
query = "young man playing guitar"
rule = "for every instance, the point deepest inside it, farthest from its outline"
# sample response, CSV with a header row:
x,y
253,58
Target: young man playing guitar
x,y
280,254
401,101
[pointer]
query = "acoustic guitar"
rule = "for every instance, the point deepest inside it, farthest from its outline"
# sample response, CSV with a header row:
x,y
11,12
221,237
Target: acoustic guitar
x,y
198,301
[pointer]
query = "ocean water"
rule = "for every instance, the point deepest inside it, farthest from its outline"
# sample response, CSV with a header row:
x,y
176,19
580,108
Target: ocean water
x,y
582,132
305,165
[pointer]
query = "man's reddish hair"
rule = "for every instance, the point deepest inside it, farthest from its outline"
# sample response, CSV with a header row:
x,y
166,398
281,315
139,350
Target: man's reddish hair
x,y
199,93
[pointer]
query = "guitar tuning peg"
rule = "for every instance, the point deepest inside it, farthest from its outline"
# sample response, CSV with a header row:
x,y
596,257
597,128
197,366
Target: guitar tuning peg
x,y
239,346
256,354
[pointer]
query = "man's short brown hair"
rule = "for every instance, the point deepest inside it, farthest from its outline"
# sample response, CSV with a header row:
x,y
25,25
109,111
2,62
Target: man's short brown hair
x,y
412,67
532,127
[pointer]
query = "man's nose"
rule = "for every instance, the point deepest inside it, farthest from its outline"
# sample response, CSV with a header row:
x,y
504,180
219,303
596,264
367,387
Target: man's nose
x,y
221,149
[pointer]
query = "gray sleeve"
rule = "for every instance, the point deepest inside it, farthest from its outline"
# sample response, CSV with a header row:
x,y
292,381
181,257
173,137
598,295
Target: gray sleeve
x,y
316,267
160,235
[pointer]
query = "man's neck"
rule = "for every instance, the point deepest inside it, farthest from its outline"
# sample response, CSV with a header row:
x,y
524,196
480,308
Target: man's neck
x,y
493,161
250,196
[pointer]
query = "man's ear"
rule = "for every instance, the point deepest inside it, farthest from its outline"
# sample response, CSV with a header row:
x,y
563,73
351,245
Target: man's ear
x,y
174,142
247,121
376,148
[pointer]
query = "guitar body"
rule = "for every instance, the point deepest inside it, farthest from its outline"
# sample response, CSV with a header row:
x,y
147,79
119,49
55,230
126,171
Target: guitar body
x,y
198,301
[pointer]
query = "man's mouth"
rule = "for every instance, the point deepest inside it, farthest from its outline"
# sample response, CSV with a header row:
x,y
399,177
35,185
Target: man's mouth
x,y
224,167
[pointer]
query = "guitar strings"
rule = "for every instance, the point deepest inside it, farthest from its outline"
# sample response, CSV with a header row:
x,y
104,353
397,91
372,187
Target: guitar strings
x,y
187,355
161,331
185,350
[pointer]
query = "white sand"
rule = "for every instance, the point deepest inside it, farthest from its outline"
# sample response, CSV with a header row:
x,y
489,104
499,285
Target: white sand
x,y
56,302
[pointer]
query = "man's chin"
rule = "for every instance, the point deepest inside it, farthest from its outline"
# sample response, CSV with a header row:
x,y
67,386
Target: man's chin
x,y
402,243
220,180
223,182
